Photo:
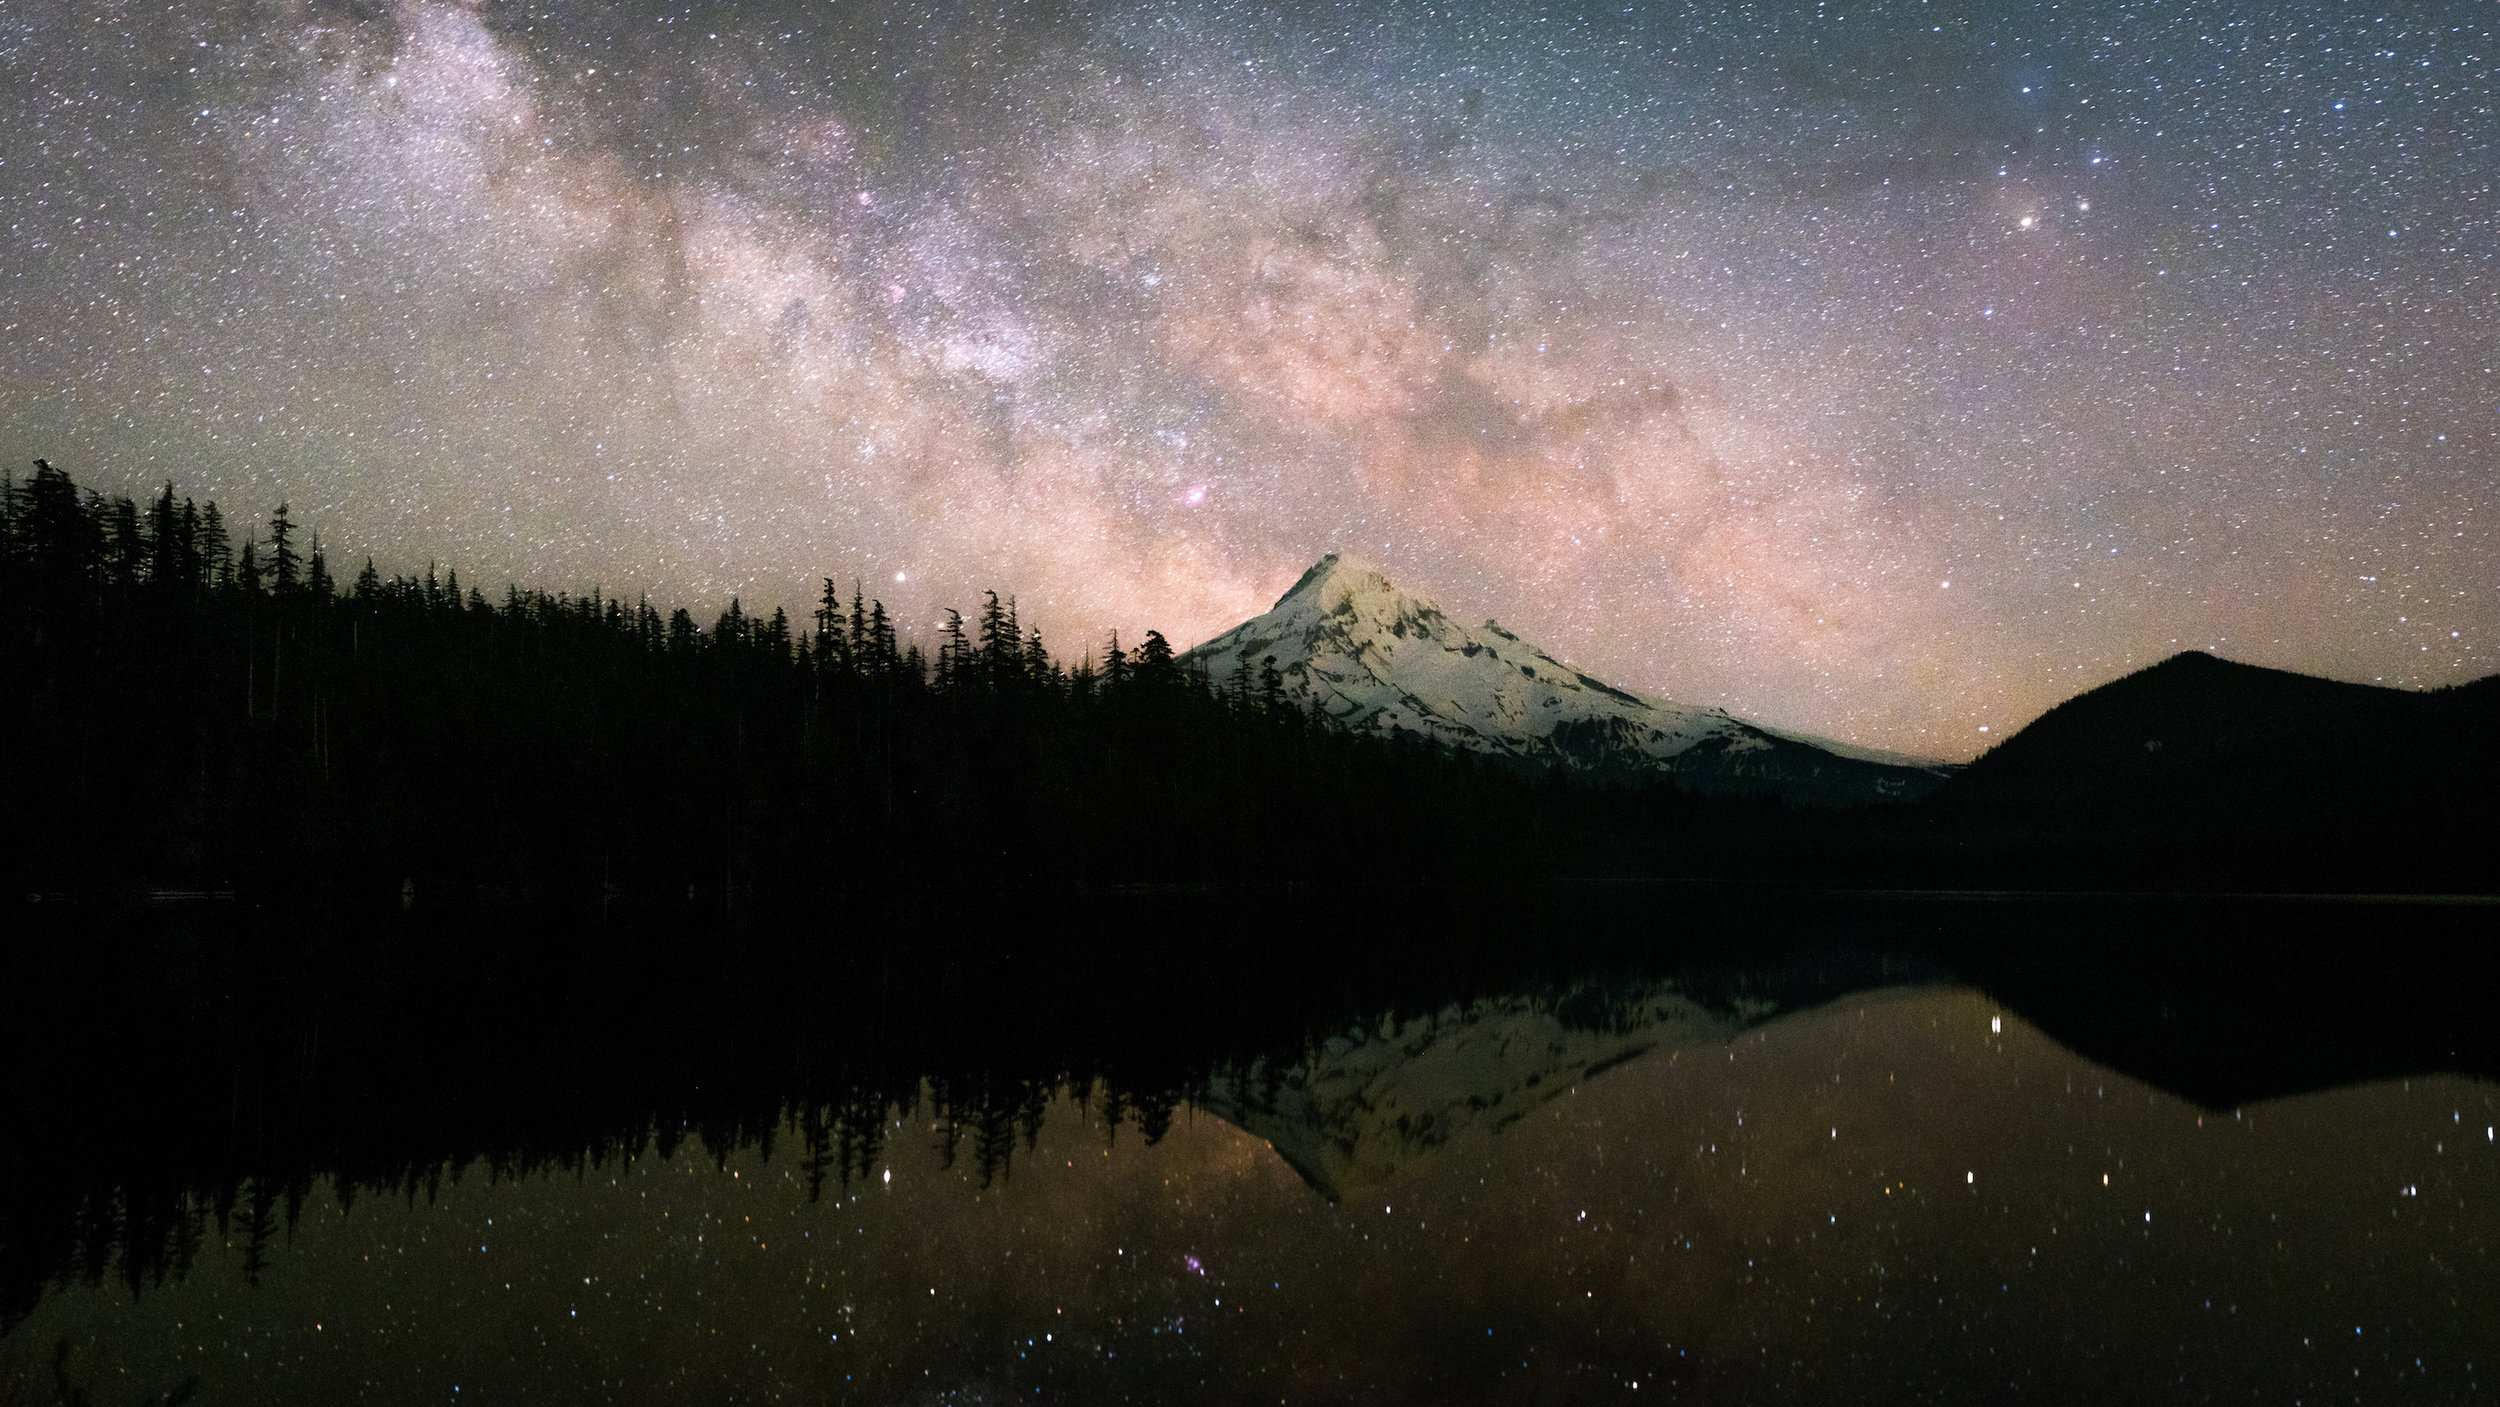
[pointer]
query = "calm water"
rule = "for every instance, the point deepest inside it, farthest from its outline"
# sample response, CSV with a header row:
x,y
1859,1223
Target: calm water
x,y
1622,1191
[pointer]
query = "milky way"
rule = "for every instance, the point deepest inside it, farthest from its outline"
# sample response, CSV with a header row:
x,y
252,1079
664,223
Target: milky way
x,y
1887,370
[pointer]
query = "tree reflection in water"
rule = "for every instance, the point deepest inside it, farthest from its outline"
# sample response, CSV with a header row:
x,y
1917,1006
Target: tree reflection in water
x,y
1828,1168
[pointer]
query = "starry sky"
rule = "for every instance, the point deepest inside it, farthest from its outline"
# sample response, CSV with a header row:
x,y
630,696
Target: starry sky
x,y
1890,370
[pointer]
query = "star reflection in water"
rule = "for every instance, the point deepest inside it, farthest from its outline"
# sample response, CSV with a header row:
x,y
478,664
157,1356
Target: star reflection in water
x,y
1926,1197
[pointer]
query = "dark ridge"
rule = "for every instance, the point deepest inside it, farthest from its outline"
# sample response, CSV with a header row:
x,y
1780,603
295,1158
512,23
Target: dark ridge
x,y
2205,738
2201,772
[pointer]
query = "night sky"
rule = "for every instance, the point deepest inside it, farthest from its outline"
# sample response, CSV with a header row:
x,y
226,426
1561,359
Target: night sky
x,y
1888,370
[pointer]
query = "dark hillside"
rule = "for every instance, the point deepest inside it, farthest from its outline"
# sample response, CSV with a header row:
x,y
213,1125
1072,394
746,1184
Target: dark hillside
x,y
2198,756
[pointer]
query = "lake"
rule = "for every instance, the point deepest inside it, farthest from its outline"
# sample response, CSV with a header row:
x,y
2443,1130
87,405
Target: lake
x,y
1846,1167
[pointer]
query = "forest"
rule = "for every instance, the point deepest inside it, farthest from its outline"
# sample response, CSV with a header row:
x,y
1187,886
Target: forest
x,y
198,715
195,718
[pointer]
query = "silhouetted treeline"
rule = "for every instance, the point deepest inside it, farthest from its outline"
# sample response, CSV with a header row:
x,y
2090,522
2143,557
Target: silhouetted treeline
x,y
200,705
206,707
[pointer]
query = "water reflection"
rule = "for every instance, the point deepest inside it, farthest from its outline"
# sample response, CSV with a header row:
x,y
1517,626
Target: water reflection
x,y
1901,1192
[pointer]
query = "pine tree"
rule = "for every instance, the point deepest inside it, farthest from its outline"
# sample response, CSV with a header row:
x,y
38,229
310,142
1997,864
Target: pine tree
x,y
216,561
952,650
1153,666
776,635
285,563
126,546
999,653
192,571
1114,666
58,538
164,540
318,573
1037,665
881,642
247,570
833,646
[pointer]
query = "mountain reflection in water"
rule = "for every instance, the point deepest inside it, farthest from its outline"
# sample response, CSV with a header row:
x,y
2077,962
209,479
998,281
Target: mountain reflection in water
x,y
1807,1182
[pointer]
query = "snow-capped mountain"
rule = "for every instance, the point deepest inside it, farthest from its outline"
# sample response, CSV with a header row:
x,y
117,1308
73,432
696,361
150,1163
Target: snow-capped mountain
x,y
1369,655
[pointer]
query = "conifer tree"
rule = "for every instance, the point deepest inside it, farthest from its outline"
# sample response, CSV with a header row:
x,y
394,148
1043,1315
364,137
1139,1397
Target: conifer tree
x,y
164,540
58,538
1114,666
286,565
126,545
881,642
776,635
999,653
1238,688
1153,666
833,645
952,649
247,569
216,559
191,572
1037,664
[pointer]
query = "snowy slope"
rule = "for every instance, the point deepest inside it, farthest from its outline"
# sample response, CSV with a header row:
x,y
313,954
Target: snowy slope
x,y
1372,656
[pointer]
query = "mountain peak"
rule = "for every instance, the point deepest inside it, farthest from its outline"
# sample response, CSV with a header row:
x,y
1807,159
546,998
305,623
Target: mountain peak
x,y
1347,642
1341,570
